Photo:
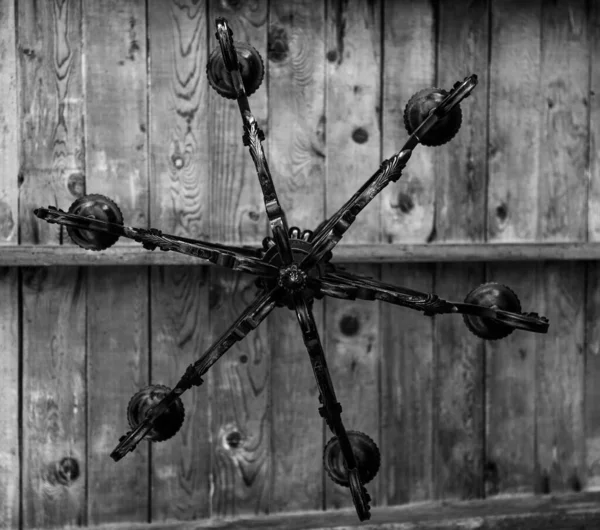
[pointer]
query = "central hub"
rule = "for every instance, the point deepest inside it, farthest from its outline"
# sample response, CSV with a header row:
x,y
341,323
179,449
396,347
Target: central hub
x,y
292,278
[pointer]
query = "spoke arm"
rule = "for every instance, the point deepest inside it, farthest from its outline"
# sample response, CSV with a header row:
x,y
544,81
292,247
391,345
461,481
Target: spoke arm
x,y
331,409
252,138
252,316
341,284
238,259
329,235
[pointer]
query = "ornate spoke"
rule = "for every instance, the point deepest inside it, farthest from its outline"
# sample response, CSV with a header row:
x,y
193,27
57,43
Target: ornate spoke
x,y
330,234
341,284
252,316
252,138
238,259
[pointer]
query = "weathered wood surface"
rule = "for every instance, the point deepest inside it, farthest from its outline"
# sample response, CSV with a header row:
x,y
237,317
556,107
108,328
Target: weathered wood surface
x,y
296,152
10,414
408,65
54,393
9,126
407,378
51,114
548,512
460,166
179,183
514,122
116,166
353,134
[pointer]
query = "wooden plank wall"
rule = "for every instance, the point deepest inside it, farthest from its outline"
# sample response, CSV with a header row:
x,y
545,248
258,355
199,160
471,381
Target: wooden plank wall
x,y
111,97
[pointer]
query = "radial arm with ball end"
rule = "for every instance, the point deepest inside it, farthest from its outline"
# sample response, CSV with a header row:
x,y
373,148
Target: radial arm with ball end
x,y
95,222
244,66
432,117
156,411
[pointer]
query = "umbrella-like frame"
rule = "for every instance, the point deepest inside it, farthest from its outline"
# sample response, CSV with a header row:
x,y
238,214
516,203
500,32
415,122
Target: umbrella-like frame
x,y
294,269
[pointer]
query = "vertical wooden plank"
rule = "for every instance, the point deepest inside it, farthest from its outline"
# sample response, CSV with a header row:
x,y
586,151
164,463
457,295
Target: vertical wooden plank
x,y
9,290
406,391
236,207
10,445
563,157
54,397
240,424
514,147
240,418
9,126
180,176
296,61
594,123
510,389
407,208
560,368
353,352
180,182
116,147
592,373
180,335
116,110
459,429
51,105
117,345
353,109
461,165
592,331
515,120
297,439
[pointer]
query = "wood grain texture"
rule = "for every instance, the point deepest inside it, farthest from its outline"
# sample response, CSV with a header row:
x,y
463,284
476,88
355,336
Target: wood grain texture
x,y
564,512
353,133
116,113
10,443
117,349
351,343
116,166
460,165
406,391
179,204
297,428
51,107
592,375
560,442
594,117
563,157
9,126
180,335
179,92
510,389
236,205
240,418
458,397
296,139
54,397
407,208
514,121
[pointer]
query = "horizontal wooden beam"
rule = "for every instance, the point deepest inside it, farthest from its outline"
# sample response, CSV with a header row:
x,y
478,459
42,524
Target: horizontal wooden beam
x,y
46,255
579,511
